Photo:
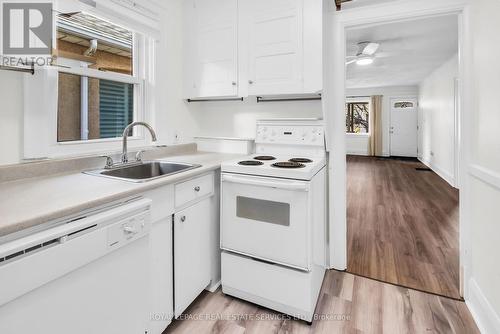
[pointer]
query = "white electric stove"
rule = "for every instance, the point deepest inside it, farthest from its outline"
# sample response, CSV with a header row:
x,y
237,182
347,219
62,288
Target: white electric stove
x,y
273,213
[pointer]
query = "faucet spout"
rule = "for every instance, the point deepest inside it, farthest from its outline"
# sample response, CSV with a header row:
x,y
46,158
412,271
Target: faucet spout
x,y
126,132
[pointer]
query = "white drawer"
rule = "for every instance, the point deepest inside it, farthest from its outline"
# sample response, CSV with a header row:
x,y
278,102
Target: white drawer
x,y
283,289
194,189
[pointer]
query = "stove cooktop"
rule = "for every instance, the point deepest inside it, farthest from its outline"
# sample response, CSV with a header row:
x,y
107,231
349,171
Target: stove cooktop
x,y
280,166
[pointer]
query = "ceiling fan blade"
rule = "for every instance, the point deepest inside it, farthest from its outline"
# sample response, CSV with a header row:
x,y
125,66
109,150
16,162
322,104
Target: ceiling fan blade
x,y
370,48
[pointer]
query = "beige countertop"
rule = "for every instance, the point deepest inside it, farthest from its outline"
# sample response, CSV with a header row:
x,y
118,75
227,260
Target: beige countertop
x,y
30,202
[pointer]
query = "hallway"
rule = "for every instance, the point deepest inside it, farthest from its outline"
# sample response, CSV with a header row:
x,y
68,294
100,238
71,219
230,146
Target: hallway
x,y
402,225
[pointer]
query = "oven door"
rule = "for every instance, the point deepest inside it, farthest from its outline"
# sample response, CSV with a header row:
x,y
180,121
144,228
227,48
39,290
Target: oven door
x,y
266,218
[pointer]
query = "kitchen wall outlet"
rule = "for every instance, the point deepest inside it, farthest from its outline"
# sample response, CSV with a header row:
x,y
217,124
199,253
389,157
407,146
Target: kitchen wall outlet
x,y
432,154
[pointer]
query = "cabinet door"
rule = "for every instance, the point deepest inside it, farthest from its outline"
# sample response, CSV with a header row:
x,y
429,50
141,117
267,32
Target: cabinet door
x,y
161,275
275,46
214,42
192,271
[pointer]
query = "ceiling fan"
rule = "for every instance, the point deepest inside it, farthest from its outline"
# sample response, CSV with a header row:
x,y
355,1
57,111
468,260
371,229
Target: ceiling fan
x,y
338,3
365,54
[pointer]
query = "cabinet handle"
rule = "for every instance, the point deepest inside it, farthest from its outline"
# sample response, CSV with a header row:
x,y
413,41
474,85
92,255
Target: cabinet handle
x,y
250,82
197,188
183,219
233,83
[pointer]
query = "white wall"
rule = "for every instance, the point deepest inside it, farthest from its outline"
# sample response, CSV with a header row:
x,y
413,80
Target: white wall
x,y
437,120
11,117
483,176
359,145
175,121
172,118
237,119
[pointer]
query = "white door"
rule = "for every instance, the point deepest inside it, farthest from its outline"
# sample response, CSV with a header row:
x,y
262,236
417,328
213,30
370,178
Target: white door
x,y
214,40
266,218
275,47
192,263
404,127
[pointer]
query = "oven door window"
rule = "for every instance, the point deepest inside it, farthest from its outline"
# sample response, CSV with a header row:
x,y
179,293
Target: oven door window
x,y
263,211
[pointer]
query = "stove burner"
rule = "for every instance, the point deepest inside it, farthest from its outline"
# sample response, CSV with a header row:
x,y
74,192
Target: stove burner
x,y
302,160
250,163
288,164
265,157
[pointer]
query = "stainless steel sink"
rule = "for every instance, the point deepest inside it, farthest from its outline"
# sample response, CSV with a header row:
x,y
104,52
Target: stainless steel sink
x,y
144,171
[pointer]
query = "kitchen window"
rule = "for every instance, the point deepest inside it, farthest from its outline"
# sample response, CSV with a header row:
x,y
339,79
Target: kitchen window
x,y
98,82
357,117
102,78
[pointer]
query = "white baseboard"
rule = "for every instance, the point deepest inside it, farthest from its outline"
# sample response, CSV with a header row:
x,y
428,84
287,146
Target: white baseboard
x,y
441,172
355,152
213,287
483,313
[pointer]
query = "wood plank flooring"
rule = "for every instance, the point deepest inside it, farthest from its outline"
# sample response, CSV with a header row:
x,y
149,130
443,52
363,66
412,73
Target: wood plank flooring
x,y
347,304
402,225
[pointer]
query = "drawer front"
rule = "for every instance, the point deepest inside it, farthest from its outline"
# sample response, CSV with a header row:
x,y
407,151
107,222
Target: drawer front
x,y
275,283
194,189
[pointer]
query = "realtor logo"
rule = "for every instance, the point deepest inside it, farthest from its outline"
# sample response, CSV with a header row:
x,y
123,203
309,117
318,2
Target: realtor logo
x,y
27,28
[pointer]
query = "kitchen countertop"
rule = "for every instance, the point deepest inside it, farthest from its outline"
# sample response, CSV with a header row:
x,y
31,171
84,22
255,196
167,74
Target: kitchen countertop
x,y
30,202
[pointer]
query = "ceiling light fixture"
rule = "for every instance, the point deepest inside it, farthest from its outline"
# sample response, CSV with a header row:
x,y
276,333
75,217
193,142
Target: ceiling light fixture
x,y
364,60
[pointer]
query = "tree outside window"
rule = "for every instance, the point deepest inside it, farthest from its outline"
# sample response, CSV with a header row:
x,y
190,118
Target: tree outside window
x,y
357,117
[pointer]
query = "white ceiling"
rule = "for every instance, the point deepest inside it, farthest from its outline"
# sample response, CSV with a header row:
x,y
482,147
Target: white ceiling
x,y
409,51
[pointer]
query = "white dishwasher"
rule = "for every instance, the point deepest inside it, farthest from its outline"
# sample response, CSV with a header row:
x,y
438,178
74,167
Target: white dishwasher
x,y
87,275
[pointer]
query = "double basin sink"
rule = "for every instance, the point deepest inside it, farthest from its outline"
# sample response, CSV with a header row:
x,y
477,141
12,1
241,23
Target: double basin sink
x,y
144,171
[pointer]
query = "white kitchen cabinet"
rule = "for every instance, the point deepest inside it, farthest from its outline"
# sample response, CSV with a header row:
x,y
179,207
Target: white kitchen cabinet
x,y
274,40
192,260
262,47
284,46
161,283
161,275
211,50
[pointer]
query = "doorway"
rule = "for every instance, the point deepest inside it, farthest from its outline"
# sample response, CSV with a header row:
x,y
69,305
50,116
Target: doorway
x,y
404,126
402,211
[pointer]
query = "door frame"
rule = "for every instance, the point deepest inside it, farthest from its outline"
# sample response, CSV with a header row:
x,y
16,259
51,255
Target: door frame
x,y
391,98
334,87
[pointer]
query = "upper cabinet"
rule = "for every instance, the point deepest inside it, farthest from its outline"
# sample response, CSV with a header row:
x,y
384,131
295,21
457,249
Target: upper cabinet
x,y
274,38
211,48
237,48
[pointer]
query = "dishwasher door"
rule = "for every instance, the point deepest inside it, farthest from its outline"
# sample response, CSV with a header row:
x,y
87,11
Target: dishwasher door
x,y
87,276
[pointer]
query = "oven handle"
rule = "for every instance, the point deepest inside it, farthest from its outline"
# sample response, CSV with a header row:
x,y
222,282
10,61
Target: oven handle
x,y
300,186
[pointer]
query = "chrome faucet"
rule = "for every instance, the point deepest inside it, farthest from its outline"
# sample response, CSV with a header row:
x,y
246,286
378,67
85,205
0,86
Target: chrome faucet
x,y
126,132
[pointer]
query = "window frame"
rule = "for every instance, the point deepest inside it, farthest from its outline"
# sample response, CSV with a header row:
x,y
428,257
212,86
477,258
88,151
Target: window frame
x,y
41,95
135,79
360,100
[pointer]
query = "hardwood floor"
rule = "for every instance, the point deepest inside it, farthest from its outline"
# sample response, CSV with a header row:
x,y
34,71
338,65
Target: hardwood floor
x,y
347,304
402,225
